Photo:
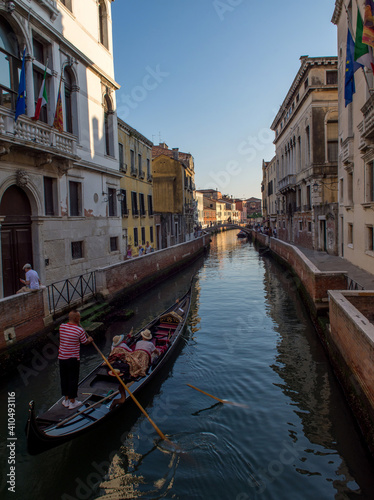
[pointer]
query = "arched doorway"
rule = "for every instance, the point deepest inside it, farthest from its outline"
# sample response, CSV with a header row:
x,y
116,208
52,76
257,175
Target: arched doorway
x,y
16,244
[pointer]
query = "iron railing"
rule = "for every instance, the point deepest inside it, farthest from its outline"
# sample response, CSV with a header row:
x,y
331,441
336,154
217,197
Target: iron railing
x,y
353,285
73,290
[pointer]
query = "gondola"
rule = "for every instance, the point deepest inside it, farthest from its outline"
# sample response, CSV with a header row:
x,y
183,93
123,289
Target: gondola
x,y
99,389
242,234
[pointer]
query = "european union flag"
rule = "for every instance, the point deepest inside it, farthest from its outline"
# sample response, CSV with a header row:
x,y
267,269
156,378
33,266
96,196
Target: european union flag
x,y
21,98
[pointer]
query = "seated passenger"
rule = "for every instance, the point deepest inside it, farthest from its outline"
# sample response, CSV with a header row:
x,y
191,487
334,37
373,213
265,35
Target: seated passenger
x,y
146,345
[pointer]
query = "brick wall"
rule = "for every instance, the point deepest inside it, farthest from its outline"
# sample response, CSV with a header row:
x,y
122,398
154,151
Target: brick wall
x,y
315,282
352,348
20,316
364,302
132,273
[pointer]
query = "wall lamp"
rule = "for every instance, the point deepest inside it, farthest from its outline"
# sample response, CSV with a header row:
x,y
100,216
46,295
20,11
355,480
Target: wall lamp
x,y
120,195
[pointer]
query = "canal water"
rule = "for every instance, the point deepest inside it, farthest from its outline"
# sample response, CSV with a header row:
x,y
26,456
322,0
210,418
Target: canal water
x,y
249,340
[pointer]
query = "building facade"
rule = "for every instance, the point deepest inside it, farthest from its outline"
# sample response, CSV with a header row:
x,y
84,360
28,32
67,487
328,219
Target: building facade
x,y
306,142
356,153
56,208
174,200
136,195
269,197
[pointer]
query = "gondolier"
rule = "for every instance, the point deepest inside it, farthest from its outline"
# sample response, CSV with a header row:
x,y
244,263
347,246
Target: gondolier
x,y
72,336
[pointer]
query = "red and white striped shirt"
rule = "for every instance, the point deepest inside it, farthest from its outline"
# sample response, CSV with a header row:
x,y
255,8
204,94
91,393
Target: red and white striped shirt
x,y
71,336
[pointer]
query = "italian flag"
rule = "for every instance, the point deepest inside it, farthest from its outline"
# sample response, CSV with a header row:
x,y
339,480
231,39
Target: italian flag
x,y
42,99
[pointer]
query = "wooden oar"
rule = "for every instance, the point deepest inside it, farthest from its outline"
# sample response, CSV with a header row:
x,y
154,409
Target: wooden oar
x,y
86,409
159,432
225,401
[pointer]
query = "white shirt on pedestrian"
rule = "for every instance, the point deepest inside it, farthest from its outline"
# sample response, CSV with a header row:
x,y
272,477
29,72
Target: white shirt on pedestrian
x,y
33,278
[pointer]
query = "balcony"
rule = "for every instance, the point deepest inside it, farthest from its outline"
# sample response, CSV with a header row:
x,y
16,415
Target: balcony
x,y
367,109
141,174
133,171
149,178
346,152
287,183
36,139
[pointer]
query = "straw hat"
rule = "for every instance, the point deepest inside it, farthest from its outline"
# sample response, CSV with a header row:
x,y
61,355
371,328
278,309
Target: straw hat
x,y
116,371
146,334
117,340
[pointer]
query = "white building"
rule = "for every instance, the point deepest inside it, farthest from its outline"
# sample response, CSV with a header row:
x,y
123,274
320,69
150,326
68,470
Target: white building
x,y
58,189
356,152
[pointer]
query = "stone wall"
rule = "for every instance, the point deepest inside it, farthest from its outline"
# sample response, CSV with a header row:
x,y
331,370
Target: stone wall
x,y
130,274
20,316
315,282
351,347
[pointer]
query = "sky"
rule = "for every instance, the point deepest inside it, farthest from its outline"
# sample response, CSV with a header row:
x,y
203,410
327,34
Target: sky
x,y
209,76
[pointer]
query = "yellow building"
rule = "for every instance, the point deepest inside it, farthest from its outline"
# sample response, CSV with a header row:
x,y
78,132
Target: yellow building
x,y
136,195
174,187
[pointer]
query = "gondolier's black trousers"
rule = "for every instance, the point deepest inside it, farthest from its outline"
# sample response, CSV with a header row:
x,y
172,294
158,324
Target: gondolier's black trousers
x,y
69,376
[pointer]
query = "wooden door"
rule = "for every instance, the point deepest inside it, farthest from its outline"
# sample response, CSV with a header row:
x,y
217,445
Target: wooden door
x,y
16,241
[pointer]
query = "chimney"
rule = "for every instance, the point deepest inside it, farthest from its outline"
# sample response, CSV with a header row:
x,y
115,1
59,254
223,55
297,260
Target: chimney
x,y
163,145
176,153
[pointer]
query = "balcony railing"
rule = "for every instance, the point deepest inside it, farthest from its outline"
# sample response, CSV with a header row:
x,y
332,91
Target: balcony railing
x,y
36,135
70,291
368,121
288,181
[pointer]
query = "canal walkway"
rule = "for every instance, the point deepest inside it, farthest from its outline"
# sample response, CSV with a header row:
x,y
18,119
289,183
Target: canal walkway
x,y
325,262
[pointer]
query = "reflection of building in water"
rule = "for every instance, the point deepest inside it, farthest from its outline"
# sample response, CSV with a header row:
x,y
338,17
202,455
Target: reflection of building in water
x,y
304,371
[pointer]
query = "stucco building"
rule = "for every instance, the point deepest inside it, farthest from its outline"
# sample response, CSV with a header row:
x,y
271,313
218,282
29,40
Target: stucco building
x,y
136,195
174,200
269,197
306,142
356,152
58,188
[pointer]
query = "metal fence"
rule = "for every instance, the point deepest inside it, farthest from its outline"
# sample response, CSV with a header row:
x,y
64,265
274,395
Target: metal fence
x,y
353,285
70,291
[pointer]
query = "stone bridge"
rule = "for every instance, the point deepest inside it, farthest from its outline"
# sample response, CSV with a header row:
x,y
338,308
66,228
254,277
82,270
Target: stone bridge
x,y
229,226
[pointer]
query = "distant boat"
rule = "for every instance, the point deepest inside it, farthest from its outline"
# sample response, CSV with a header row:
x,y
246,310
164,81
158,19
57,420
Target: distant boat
x,y
242,234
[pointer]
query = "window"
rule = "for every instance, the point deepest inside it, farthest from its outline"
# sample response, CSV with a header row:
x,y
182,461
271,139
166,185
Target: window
x,y
103,24
300,225
307,137
38,76
369,182
67,4
141,204
140,165
124,209
369,238
350,188
332,77
108,126
132,160
112,202
68,86
121,158
75,198
143,235
148,168
134,203
306,83
49,195
9,64
77,249
350,234
151,234
309,227
113,244
332,141
308,198
150,205
341,190
136,242
38,49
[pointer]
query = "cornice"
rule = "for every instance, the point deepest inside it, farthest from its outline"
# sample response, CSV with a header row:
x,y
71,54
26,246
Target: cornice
x,y
337,11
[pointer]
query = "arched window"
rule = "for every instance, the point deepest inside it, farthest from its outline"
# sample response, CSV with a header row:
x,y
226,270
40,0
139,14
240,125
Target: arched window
x,y
9,64
68,101
103,24
108,126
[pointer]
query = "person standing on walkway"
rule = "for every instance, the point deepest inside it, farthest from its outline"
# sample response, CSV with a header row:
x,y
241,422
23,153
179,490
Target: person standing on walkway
x,y
32,281
71,336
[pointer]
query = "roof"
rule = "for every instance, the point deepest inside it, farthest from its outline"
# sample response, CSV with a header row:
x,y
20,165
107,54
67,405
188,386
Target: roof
x,y
160,150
